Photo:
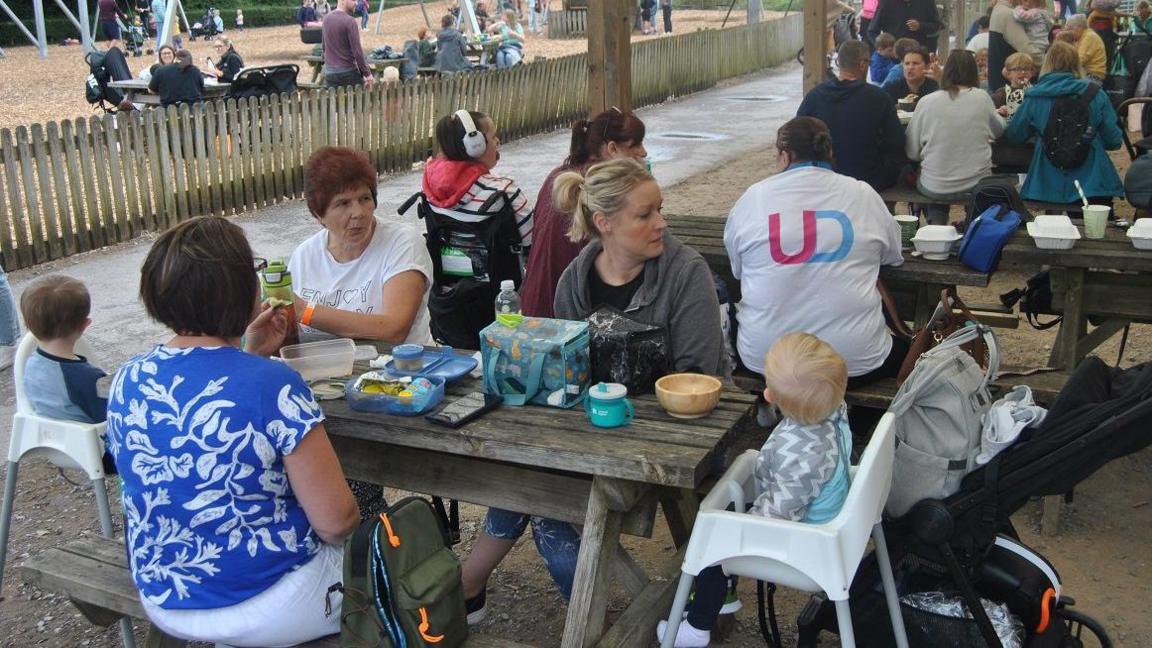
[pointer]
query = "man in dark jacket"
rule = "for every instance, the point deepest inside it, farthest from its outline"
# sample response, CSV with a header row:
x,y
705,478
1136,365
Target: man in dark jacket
x,y
915,19
867,139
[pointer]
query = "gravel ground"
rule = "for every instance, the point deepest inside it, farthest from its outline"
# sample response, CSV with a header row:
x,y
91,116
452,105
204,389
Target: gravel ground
x,y
28,99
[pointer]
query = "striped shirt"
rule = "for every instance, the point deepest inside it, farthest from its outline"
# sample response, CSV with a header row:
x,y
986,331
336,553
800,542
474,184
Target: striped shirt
x,y
471,206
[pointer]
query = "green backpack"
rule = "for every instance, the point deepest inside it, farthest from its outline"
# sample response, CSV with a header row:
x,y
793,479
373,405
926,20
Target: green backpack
x,y
401,582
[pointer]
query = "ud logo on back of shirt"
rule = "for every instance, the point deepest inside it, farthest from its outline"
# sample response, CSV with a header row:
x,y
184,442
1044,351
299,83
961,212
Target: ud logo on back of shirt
x,y
808,250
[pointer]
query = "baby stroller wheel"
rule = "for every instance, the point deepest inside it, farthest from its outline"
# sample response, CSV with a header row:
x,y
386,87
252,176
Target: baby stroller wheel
x,y
1078,623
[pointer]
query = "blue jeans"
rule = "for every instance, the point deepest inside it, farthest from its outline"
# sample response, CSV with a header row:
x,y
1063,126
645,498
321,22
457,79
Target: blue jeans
x,y
506,57
558,542
937,213
9,320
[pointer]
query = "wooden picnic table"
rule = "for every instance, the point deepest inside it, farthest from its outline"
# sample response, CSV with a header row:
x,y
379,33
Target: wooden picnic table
x,y
554,463
1107,279
378,66
917,283
136,91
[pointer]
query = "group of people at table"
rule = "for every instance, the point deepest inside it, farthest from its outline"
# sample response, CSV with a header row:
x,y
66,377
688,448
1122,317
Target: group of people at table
x,y
234,500
947,144
177,79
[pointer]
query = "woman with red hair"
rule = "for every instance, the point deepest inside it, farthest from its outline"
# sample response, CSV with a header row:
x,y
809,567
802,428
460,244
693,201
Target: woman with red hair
x,y
359,277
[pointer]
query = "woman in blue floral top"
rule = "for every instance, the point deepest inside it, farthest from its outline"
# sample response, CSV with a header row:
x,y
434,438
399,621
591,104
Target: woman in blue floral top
x,y
234,501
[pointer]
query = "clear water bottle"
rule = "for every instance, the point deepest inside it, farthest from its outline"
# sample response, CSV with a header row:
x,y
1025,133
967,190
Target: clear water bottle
x,y
508,305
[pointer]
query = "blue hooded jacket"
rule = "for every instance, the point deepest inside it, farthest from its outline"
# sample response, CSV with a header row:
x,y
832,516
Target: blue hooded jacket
x,y
1097,175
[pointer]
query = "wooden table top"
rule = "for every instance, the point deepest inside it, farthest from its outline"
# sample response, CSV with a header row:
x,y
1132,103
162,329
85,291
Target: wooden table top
x,y
374,62
705,234
141,85
1114,252
655,448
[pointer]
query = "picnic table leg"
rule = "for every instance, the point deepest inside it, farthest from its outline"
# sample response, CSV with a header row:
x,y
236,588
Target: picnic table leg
x,y
680,508
1075,324
585,621
1066,356
927,297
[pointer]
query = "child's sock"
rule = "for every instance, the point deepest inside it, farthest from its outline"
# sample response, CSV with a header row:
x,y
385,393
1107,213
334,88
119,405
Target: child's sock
x,y
686,636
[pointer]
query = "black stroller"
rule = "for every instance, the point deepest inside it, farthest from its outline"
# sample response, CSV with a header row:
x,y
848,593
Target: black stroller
x,y
1102,413
104,67
206,27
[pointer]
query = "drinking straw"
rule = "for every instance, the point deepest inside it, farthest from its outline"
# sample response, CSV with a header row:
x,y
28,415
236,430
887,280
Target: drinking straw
x,y
1081,192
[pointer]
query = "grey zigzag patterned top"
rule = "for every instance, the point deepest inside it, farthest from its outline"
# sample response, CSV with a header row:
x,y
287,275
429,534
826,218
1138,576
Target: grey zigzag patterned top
x,y
802,470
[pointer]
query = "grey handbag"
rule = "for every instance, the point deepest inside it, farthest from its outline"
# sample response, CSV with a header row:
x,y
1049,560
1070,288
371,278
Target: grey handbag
x,y
938,412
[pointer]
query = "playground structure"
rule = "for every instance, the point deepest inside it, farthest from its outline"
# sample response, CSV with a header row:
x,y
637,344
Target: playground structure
x,y
85,25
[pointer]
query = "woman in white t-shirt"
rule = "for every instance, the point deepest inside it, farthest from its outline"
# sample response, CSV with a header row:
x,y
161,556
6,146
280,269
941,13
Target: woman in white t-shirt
x,y
806,245
951,135
359,277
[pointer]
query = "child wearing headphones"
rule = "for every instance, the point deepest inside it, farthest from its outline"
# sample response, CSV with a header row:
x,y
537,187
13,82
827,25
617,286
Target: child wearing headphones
x,y
802,470
459,182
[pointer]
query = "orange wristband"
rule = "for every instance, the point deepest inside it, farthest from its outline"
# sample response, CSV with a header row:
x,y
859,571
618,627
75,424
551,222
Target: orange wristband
x,y
309,311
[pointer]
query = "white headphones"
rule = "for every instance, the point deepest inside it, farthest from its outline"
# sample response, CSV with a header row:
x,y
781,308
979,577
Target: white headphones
x,y
475,144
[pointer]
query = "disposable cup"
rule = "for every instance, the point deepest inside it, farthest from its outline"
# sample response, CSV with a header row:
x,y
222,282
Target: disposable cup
x,y
1095,221
908,227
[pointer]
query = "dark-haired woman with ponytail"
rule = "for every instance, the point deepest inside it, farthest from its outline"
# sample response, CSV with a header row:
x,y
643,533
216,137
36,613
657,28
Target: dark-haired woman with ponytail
x,y
806,245
611,134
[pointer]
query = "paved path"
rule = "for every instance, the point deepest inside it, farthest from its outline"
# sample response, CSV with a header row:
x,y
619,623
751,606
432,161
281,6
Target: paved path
x,y
718,124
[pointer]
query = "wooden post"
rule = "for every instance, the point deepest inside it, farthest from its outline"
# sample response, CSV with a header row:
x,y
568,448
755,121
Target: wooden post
x,y
960,20
754,7
815,15
609,56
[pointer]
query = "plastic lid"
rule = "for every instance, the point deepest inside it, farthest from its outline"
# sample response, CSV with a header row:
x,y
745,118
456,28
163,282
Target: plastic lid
x,y
507,284
407,351
608,391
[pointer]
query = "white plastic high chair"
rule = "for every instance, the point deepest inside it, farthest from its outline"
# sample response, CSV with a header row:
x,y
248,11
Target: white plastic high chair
x,y
807,557
66,444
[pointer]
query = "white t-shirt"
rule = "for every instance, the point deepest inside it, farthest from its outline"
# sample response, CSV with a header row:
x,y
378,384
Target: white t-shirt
x,y
359,285
807,245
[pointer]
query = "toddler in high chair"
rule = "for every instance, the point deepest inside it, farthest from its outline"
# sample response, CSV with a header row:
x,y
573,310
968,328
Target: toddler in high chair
x,y
60,383
802,470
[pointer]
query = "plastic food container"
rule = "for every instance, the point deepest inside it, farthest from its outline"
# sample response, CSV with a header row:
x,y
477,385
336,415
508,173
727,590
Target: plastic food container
x,y
320,360
398,405
1141,234
935,241
408,358
1052,232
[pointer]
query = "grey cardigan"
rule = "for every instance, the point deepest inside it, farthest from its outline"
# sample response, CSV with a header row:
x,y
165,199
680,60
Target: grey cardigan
x,y
677,294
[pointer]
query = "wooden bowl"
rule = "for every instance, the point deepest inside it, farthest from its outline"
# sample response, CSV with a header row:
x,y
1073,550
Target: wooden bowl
x,y
688,395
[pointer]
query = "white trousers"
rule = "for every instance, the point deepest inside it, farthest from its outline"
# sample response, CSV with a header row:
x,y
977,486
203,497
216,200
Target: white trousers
x,y
288,613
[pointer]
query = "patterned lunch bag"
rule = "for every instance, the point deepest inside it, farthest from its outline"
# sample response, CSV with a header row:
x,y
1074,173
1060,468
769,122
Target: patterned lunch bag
x,y
541,361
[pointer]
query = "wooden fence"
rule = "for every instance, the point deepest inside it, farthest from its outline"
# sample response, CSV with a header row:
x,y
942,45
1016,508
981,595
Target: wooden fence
x,y
567,23
77,185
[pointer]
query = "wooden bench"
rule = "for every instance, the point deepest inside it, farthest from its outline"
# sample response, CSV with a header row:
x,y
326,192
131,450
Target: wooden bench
x,y
93,573
901,194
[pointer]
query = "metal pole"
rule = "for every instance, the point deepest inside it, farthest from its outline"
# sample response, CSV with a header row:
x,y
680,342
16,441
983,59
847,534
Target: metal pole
x,y
468,19
379,16
16,20
68,14
85,33
41,33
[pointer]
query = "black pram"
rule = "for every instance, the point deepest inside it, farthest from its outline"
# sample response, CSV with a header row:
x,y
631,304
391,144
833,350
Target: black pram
x,y
206,27
1102,413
